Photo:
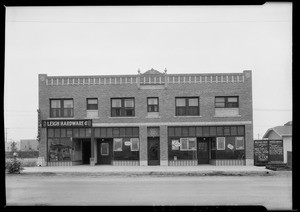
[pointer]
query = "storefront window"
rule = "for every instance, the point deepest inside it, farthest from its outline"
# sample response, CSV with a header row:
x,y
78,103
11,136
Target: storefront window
x,y
239,143
134,144
60,149
130,150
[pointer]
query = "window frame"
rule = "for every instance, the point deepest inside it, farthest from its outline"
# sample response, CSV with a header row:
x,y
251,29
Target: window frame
x,y
87,104
123,109
61,109
187,107
152,105
226,103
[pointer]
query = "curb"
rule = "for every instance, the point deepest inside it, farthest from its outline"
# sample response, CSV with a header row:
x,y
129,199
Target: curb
x,y
161,173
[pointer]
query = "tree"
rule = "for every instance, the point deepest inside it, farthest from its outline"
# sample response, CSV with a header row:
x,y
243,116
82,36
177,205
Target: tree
x,y
13,146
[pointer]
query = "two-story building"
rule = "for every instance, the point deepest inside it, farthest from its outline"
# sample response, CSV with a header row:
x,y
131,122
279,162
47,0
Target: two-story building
x,y
150,118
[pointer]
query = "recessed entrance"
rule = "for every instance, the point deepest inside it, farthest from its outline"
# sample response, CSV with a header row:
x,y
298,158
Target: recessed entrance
x,y
153,151
104,150
86,151
203,150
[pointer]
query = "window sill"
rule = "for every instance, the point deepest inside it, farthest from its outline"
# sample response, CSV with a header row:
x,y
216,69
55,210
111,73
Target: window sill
x,y
153,117
92,117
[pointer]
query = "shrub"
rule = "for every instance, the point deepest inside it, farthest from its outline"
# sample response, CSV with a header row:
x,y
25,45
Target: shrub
x,y
14,166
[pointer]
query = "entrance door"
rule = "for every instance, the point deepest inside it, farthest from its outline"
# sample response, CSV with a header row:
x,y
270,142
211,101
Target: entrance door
x,y
104,151
86,151
153,151
203,151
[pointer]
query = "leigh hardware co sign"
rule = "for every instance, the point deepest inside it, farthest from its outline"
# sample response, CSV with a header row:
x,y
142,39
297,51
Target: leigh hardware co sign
x,y
67,123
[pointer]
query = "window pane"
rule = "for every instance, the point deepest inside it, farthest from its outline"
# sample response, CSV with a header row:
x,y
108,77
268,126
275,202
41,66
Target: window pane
x,y
212,131
241,130
232,99
152,101
50,133
135,132
82,132
109,133
116,102
220,104
116,132
193,102
233,130
68,103
192,143
184,143
69,132
221,143
205,131
63,132
122,132
103,132
239,143
88,132
192,131
97,132
180,111
134,144
55,103
193,111
104,149
76,132
92,101
128,132
128,103
185,131
219,130
178,131
57,133
220,99
180,102
129,112
118,144
171,131
226,130
198,131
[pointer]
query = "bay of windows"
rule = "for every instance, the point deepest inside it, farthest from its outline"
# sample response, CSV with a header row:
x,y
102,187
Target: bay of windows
x,y
187,106
61,108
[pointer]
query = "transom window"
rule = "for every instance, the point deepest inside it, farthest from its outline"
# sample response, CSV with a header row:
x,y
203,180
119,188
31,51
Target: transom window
x,y
61,108
152,104
187,106
227,102
122,107
92,104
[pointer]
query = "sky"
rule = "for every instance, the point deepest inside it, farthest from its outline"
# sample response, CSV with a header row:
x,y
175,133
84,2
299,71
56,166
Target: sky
x,y
102,40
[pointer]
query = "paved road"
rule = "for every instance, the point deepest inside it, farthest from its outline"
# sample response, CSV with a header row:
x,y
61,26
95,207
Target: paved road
x,y
273,192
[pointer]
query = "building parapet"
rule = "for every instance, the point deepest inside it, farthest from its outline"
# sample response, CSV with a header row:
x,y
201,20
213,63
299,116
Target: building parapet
x,y
146,79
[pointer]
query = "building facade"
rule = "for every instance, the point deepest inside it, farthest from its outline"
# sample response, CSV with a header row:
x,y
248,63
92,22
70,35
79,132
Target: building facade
x,y
151,118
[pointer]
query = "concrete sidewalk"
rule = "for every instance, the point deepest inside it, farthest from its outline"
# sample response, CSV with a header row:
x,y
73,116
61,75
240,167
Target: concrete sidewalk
x,y
108,170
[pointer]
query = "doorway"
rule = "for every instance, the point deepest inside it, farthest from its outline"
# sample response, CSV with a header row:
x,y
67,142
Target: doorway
x,y
203,150
86,151
104,151
153,151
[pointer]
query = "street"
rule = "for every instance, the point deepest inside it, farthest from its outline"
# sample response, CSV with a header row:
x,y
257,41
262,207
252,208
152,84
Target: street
x,y
273,192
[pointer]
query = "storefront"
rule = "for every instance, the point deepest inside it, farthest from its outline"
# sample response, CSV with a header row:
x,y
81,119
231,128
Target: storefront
x,y
216,145
117,145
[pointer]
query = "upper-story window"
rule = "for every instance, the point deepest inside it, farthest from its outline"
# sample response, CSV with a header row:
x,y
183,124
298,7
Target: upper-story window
x,y
152,104
122,107
187,106
92,104
226,102
61,108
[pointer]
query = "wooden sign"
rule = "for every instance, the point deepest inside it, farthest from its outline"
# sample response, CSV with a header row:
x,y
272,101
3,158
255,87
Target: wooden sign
x,y
67,123
275,151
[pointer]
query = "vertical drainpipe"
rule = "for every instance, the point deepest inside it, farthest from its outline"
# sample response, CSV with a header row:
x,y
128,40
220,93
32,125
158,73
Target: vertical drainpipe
x,y
138,79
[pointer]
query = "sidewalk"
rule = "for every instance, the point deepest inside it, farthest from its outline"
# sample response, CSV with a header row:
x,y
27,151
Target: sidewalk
x,y
108,170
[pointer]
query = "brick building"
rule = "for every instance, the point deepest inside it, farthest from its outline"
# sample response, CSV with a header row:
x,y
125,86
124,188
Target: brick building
x,y
150,118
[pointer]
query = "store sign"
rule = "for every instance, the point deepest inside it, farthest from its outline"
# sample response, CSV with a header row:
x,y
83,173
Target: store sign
x,y
67,123
230,146
127,143
175,144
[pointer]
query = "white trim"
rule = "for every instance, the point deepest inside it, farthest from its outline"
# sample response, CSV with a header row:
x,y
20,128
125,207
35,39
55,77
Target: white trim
x,y
172,123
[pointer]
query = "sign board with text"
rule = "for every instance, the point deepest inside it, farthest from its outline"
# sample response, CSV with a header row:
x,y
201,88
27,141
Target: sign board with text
x,y
266,151
67,123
